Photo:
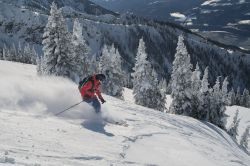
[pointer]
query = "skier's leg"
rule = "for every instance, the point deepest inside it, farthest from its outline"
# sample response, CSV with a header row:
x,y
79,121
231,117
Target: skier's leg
x,y
89,101
96,104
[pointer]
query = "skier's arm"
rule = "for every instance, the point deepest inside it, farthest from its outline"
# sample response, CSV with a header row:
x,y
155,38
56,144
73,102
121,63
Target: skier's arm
x,y
98,92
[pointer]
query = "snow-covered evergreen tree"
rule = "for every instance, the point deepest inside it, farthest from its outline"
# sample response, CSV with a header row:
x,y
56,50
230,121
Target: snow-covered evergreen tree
x,y
141,76
204,109
224,92
28,54
181,81
81,51
217,107
146,87
13,53
233,129
245,138
231,97
1,54
238,96
163,91
20,52
196,86
196,79
57,46
245,98
158,99
39,65
6,53
33,55
111,65
94,63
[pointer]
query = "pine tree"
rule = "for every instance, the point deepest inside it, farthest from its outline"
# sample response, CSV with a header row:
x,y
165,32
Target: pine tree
x,y
42,65
217,111
81,51
27,54
232,97
111,65
33,55
196,81
158,99
6,53
145,83
163,91
244,139
13,53
1,54
57,46
94,63
204,96
181,81
225,92
39,65
196,86
238,96
245,98
233,129
20,52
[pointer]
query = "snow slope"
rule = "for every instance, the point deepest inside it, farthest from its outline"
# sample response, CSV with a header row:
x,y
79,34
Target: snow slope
x,y
32,135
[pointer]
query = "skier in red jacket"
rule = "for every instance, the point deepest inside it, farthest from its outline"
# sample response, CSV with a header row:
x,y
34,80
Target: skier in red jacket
x,y
90,88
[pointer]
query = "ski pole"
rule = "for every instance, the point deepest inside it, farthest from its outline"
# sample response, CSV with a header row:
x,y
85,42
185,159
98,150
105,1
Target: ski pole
x,y
68,108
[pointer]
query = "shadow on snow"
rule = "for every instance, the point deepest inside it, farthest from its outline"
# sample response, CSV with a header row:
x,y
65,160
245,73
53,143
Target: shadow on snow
x,y
96,126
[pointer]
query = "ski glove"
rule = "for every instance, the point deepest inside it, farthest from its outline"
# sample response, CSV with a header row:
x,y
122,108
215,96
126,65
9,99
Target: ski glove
x,y
103,101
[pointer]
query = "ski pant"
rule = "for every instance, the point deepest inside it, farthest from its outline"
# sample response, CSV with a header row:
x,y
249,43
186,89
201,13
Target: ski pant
x,y
94,102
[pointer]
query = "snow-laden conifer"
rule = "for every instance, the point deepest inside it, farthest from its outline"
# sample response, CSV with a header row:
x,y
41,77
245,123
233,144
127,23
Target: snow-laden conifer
x,y
238,96
13,53
1,54
245,138
158,99
196,80
217,107
20,52
29,54
181,81
111,65
57,46
196,86
204,96
6,53
145,83
163,91
39,65
231,97
245,98
33,55
233,129
81,51
224,91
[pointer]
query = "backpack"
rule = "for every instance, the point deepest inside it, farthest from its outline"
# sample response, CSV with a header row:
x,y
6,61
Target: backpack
x,y
84,81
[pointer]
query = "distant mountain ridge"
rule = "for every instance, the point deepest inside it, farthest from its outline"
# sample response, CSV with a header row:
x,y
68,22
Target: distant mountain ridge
x,y
227,21
157,9
43,6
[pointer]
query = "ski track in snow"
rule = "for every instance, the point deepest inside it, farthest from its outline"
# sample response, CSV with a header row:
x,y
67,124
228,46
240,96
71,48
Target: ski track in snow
x,y
35,137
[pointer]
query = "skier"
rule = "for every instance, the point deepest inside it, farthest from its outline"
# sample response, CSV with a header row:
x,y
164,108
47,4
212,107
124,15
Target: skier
x,y
89,87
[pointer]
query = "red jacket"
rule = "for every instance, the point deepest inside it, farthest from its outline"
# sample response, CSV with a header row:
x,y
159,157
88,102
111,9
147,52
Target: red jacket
x,y
90,88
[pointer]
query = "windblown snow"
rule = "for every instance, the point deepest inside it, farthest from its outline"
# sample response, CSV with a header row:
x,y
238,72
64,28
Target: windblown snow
x,y
31,134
